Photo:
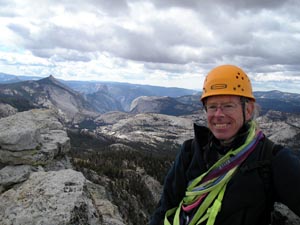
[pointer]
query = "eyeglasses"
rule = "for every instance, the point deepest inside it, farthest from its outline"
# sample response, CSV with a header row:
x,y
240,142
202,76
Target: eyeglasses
x,y
226,108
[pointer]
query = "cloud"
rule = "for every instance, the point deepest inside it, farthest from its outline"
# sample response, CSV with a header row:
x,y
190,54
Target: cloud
x,y
174,40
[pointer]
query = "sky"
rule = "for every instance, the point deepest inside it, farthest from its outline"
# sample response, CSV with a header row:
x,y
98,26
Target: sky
x,y
172,43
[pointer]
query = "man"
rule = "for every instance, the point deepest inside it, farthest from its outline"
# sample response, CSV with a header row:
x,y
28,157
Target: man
x,y
230,173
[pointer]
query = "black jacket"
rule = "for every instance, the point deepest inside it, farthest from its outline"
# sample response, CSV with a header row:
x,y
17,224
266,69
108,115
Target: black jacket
x,y
247,200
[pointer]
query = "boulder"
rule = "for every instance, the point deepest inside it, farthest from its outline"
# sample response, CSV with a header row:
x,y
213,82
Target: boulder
x,y
11,175
49,198
32,137
7,110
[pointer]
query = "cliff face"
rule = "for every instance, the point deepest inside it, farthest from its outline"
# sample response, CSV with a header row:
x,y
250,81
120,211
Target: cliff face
x,y
37,182
162,105
46,93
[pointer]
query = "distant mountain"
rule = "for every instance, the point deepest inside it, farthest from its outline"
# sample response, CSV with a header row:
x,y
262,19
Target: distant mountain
x,y
162,105
116,94
103,101
117,88
45,93
9,78
102,97
277,95
125,93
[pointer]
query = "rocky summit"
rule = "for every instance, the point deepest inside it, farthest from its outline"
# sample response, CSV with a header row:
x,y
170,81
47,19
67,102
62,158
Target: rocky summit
x,y
32,137
37,182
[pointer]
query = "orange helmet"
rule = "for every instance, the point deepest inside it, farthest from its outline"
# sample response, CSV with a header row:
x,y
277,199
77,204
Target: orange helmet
x,y
227,80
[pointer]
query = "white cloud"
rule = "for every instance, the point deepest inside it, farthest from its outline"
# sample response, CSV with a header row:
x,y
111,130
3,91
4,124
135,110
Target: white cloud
x,y
170,43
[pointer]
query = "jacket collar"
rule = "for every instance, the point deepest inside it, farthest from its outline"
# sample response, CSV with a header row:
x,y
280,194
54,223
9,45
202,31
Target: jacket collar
x,y
205,137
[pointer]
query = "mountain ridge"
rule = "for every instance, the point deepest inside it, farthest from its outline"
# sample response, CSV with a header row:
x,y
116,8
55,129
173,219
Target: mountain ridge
x,y
45,93
51,92
11,78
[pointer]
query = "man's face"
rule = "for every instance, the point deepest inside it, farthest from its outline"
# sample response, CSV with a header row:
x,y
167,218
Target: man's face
x,y
225,115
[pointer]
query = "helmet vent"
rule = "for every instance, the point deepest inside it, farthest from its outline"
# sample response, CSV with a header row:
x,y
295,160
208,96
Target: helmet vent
x,y
218,86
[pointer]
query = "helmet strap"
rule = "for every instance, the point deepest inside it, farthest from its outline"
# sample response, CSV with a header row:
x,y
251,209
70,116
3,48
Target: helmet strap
x,y
244,100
